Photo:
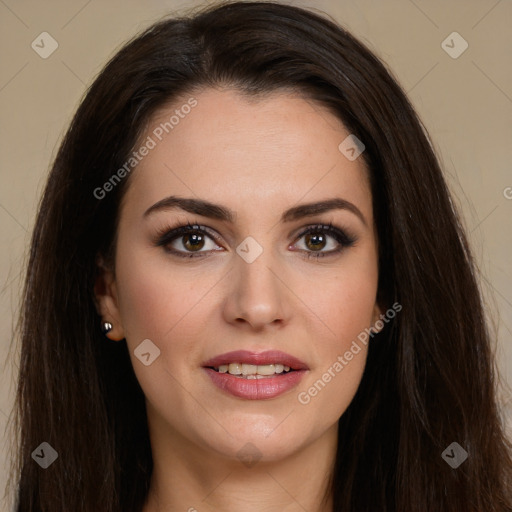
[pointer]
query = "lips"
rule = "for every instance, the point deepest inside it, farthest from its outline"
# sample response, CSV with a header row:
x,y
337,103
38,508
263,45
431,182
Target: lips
x,y
257,359
271,386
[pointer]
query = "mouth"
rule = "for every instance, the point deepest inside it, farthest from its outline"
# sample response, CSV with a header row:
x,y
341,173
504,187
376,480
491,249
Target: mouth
x,y
244,363
255,376
251,371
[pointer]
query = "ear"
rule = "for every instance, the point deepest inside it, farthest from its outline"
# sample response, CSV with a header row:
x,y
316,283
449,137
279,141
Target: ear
x,y
105,291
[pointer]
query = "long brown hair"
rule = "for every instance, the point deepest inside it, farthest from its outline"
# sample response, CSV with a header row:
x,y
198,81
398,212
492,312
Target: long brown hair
x,y
430,378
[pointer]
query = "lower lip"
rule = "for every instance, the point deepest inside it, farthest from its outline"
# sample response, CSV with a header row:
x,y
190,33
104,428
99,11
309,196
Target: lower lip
x,y
256,389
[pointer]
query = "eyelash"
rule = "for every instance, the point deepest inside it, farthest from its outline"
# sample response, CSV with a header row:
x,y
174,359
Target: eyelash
x,y
167,235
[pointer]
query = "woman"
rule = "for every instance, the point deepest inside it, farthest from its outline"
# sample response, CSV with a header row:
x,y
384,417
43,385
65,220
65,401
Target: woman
x,y
248,289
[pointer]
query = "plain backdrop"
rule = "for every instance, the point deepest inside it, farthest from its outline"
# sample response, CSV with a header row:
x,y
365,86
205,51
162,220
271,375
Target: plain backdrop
x,y
465,103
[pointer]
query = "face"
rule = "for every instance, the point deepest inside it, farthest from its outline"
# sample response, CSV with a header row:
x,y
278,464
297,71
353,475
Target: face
x,y
257,272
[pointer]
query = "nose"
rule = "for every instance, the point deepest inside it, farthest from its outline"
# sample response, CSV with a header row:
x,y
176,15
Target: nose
x,y
256,294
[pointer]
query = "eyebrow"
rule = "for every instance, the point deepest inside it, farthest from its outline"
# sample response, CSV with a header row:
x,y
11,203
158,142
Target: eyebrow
x,y
216,211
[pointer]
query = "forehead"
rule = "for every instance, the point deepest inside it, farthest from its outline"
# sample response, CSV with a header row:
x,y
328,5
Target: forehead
x,y
276,150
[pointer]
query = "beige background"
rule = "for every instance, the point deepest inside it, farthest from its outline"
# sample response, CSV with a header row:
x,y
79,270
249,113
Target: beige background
x,y
465,103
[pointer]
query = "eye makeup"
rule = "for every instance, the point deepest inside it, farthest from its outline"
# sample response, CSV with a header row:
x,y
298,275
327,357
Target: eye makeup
x,y
196,233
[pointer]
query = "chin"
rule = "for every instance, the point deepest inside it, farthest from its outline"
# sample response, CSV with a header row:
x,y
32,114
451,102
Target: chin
x,y
251,444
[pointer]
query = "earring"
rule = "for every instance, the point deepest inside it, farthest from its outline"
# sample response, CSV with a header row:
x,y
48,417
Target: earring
x,y
106,327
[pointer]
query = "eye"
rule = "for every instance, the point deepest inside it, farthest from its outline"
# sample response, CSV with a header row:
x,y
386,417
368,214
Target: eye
x,y
316,238
186,241
191,241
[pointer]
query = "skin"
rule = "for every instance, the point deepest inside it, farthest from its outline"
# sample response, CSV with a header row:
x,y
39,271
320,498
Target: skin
x,y
258,158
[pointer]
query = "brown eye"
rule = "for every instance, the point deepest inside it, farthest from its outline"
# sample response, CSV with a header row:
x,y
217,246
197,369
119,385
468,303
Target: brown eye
x,y
193,241
317,238
315,242
187,241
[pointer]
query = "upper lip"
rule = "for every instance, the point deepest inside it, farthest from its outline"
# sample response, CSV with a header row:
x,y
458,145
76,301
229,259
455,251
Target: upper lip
x,y
257,358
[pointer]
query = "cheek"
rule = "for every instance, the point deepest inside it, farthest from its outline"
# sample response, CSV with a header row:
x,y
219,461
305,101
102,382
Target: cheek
x,y
341,356
157,299
344,303
345,309
165,305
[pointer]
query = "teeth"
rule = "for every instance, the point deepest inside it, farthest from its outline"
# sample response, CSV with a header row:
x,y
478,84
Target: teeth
x,y
235,369
251,371
268,369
